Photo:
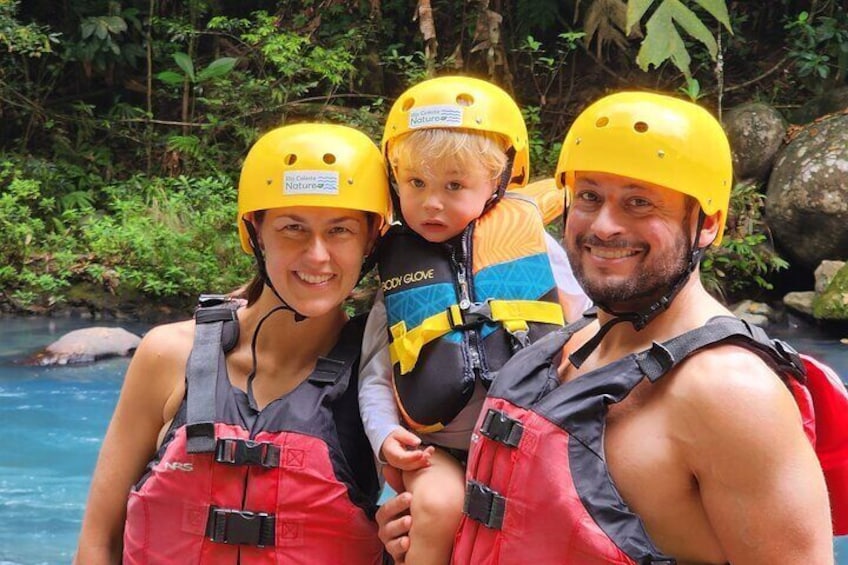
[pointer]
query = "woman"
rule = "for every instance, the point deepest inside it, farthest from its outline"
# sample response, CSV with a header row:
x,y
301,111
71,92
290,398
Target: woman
x,y
244,446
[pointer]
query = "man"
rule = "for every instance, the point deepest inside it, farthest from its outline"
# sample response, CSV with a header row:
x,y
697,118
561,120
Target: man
x,y
641,437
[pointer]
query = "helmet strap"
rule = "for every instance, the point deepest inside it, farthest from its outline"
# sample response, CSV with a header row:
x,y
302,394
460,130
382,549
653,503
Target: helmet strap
x,y
642,318
263,271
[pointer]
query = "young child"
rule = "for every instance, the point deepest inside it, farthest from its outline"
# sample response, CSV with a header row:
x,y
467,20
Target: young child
x,y
468,276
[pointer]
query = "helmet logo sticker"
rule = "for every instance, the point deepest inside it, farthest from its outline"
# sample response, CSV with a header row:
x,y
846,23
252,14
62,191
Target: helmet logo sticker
x,y
311,182
435,116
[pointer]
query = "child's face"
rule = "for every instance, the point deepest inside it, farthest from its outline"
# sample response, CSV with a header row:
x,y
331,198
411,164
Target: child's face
x,y
439,202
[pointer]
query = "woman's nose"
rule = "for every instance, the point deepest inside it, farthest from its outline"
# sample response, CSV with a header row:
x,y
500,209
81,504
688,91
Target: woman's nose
x,y
318,249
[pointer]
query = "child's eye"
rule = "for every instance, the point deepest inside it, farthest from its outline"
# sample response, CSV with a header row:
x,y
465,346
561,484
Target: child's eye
x,y
416,183
453,186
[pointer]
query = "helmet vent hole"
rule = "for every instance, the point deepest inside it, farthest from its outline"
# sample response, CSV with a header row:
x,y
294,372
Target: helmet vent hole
x,y
329,158
641,127
464,100
408,104
290,159
602,122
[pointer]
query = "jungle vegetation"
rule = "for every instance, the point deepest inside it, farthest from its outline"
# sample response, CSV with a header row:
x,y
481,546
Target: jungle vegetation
x,y
123,124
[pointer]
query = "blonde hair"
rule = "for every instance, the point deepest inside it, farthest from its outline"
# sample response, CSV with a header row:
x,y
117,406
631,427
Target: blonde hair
x,y
462,146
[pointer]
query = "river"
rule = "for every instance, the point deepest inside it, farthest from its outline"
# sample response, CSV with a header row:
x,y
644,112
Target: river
x,y
54,419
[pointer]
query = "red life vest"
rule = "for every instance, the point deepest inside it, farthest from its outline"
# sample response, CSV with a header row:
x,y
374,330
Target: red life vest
x,y
535,431
232,484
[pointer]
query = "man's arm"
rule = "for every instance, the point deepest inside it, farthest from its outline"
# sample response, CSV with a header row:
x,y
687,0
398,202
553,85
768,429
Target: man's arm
x,y
760,482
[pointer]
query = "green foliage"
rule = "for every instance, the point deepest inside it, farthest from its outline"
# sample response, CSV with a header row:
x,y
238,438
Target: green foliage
x,y
745,258
163,236
109,39
217,68
662,38
157,237
819,49
30,40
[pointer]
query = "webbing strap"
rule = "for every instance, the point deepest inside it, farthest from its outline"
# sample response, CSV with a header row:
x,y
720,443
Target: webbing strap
x,y
661,357
514,315
201,380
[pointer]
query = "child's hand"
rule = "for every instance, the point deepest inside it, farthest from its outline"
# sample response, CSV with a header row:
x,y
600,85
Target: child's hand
x,y
401,449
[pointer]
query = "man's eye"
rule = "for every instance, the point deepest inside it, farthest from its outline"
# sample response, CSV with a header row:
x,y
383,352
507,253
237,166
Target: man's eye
x,y
587,196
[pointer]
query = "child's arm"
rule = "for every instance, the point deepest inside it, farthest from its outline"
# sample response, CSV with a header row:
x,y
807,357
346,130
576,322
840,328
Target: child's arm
x,y
571,296
376,398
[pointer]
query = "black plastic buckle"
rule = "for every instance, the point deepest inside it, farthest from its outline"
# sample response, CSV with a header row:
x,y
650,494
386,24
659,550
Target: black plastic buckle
x,y
241,527
484,505
245,452
788,354
497,426
472,317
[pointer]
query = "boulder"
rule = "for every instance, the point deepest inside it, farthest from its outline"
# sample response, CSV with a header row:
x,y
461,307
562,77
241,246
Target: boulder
x,y
756,132
87,345
825,272
807,196
832,304
800,301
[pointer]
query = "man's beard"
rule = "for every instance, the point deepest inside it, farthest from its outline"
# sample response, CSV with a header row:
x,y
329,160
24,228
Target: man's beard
x,y
653,278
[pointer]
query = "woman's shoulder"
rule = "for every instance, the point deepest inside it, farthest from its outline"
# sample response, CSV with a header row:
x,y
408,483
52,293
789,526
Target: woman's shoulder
x,y
167,343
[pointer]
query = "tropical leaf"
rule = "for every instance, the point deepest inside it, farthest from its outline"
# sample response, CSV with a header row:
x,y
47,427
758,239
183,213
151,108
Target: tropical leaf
x,y
217,68
184,62
662,37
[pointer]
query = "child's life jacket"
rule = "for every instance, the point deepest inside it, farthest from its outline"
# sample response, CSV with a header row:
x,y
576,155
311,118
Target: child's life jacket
x,y
458,310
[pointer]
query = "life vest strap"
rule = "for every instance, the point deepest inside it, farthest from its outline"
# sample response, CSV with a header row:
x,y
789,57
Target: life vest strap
x,y
484,505
513,315
241,527
232,451
499,427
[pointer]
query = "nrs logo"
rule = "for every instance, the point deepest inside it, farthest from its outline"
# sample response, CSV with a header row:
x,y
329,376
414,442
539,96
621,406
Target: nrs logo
x,y
177,466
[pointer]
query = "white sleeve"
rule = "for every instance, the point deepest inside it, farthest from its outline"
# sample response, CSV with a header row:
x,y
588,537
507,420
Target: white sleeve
x,y
574,300
376,398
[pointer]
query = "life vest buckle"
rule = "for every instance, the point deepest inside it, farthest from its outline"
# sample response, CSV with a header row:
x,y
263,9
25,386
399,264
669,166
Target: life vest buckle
x,y
232,451
497,426
484,505
472,317
241,527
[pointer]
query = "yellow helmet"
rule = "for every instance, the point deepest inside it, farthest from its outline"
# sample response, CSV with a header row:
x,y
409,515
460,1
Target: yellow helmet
x,y
653,138
462,102
324,165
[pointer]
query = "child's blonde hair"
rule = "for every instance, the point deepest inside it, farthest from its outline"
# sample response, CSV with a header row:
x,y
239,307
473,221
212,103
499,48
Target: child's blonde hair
x,y
435,145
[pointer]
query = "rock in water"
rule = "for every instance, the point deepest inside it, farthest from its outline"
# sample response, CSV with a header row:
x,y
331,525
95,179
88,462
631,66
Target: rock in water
x,y
87,345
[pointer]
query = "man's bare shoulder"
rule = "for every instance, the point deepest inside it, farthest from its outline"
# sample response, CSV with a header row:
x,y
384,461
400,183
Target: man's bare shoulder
x,y
727,389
